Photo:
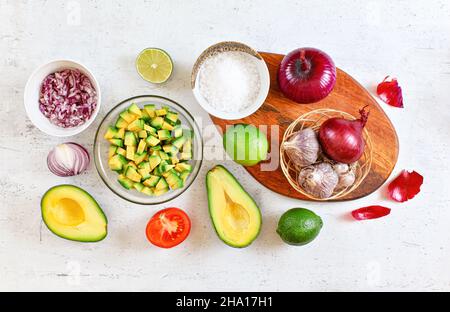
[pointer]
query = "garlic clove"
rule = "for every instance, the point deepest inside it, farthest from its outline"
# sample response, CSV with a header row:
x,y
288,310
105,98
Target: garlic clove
x,y
346,173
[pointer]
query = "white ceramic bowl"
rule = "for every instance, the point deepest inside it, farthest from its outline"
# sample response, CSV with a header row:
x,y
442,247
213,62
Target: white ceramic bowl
x,y
263,72
32,91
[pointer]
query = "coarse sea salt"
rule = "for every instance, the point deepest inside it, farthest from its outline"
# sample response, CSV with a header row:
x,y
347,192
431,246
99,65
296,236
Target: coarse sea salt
x,y
230,81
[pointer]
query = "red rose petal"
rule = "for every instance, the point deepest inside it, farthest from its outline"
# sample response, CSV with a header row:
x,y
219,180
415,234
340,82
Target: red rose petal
x,y
405,186
371,212
390,92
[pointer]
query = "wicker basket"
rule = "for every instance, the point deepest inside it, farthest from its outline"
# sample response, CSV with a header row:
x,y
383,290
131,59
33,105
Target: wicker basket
x,y
314,120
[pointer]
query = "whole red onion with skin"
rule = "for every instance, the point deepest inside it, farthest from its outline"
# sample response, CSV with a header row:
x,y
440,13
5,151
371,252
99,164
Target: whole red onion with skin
x,y
307,75
342,140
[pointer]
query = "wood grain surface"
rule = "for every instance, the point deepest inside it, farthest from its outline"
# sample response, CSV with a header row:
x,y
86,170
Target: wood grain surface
x,y
349,96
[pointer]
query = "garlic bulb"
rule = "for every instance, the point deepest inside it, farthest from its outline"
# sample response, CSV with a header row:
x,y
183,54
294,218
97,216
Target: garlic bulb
x,y
346,173
303,148
319,180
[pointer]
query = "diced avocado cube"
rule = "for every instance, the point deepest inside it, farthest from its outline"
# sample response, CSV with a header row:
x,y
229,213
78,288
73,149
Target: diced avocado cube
x,y
183,167
145,174
145,116
164,167
112,151
138,186
150,130
187,147
116,142
162,184
178,142
184,175
172,116
164,135
174,181
111,133
157,122
131,151
128,117
136,125
152,141
150,109
174,160
130,139
134,109
143,134
177,132
117,162
133,175
132,164
154,161
155,148
121,151
120,134
141,147
129,164
157,171
125,182
121,123
139,157
170,176
145,166
152,181
161,112
186,156
167,126
161,192
147,191
163,155
170,149
167,173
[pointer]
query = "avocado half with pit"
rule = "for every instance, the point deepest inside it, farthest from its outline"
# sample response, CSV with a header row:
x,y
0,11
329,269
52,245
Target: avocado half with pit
x,y
235,215
72,213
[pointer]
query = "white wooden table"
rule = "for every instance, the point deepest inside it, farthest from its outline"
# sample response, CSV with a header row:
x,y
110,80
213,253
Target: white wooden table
x,y
408,250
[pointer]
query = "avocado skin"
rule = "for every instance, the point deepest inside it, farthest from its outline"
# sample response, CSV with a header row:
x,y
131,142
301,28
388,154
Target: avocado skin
x,y
210,207
100,211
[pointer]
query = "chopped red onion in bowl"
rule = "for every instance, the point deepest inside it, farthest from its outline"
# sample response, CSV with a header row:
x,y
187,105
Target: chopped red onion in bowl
x,y
67,98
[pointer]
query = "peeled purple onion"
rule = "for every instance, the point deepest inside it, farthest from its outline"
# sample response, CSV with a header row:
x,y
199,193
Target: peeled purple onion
x,y
307,75
68,159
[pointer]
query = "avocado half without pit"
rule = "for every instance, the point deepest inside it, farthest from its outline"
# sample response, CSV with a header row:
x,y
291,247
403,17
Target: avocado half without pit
x,y
235,215
72,213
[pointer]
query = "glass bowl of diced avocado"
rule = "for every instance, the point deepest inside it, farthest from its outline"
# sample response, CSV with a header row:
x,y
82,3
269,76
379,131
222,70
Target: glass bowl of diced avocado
x,y
148,149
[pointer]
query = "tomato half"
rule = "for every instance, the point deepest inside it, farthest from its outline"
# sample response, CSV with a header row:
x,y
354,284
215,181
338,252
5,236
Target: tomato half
x,y
168,228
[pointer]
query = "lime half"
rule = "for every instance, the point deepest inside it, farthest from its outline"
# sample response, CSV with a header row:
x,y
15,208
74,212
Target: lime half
x,y
154,65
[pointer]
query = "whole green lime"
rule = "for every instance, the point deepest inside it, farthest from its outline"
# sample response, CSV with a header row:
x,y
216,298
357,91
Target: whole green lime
x,y
299,226
246,144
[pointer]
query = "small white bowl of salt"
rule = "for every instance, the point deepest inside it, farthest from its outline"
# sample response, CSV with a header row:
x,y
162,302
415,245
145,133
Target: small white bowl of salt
x,y
230,80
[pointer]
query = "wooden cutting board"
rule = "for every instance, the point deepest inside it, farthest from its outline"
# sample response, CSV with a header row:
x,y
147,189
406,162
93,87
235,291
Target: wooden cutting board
x,y
349,96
